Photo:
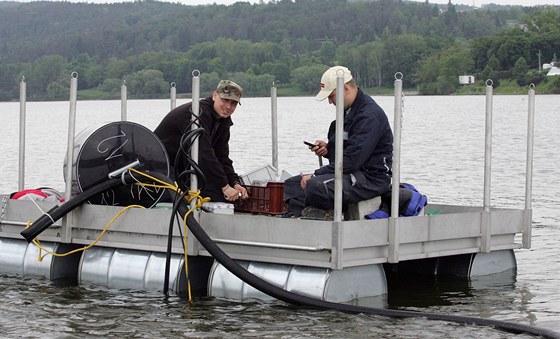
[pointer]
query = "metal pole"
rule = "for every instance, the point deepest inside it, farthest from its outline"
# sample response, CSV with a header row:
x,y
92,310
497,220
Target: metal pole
x,y
397,124
488,146
486,221
337,234
394,239
123,101
22,113
71,134
274,121
173,95
193,244
195,112
526,238
66,235
339,151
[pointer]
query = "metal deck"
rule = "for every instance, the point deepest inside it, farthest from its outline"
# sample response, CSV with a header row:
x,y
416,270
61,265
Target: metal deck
x,y
454,230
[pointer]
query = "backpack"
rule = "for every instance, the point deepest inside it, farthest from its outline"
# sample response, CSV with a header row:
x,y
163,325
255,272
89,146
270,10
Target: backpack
x,y
411,203
39,194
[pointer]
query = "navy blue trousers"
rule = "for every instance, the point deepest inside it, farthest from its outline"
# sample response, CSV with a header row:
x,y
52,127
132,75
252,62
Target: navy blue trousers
x,y
319,191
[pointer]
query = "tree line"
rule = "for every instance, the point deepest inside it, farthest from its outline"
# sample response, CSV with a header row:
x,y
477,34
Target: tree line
x,y
150,44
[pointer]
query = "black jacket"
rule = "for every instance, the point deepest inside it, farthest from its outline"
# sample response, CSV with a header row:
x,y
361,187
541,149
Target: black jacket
x,y
213,157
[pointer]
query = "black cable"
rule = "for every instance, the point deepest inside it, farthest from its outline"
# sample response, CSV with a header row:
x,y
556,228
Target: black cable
x,y
174,215
168,255
182,176
183,179
297,299
262,285
57,212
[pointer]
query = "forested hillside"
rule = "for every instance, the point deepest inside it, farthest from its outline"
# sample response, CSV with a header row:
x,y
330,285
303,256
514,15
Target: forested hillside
x,y
150,44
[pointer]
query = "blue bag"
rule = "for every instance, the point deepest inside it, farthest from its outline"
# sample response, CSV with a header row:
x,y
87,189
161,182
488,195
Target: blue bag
x,y
411,202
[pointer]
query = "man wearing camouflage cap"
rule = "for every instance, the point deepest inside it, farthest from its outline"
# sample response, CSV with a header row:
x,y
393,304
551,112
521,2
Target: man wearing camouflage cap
x,y
222,182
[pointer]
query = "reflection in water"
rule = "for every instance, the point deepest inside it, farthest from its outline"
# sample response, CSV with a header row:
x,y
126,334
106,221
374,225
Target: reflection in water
x,y
424,291
37,308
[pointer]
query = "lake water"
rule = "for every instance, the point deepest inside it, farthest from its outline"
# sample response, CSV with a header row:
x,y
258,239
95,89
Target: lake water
x,y
442,155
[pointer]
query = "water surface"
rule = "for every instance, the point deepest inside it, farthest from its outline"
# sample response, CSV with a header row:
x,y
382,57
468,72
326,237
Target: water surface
x,y
442,155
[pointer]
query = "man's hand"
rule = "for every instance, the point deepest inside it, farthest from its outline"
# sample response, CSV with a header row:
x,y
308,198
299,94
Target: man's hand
x,y
320,148
230,193
304,179
242,191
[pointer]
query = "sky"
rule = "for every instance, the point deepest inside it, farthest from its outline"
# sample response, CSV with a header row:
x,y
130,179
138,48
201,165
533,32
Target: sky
x,y
477,3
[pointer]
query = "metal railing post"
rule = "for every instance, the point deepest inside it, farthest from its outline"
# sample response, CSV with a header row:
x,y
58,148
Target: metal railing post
x,y
527,212
274,122
486,222
173,95
22,114
394,229
66,235
124,110
193,243
337,234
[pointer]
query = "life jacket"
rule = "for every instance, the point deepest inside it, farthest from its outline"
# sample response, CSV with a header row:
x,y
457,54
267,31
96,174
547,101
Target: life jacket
x,y
411,203
38,194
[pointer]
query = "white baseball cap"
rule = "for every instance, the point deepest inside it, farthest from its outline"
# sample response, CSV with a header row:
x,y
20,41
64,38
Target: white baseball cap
x,y
328,80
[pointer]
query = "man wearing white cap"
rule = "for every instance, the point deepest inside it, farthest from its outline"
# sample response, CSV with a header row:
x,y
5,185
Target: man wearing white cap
x,y
367,156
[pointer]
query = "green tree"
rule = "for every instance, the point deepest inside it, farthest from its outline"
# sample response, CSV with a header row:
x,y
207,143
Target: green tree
x,y
146,83
111,85
545,20
403,53
9,80
279,70
209,81
58,90
327,52
308,78
439,74
46,70
520,72
80,64
556,85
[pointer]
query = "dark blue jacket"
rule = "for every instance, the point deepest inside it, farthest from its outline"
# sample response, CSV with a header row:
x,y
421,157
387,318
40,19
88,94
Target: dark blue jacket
x,y
368,140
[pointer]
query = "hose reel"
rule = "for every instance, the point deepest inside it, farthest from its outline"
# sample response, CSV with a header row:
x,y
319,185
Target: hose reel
x,y
103,152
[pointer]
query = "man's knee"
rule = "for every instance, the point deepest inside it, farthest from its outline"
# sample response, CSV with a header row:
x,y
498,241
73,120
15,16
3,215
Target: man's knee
x,y
317,195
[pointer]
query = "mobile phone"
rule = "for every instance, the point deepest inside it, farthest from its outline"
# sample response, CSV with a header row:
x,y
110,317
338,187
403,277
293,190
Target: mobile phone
x,y
309,143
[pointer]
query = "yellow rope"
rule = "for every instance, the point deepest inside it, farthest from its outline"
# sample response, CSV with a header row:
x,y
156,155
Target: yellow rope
x,y
189,198
162,184
41,248
192,195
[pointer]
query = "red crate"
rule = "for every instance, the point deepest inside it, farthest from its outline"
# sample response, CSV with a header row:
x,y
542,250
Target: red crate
x,y
267,199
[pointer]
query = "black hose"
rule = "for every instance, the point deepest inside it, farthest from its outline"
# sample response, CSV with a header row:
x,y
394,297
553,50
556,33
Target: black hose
x,y
183,180
182,175
262,285
168,257
297,299
174,213
57,212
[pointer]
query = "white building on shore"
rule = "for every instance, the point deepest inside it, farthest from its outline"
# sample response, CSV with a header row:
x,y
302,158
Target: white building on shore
x,y
553,68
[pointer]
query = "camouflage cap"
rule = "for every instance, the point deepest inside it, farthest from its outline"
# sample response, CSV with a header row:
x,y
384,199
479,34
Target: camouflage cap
x,y
228,89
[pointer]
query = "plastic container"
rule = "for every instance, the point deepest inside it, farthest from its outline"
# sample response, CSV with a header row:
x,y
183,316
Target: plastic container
x,y
267,199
